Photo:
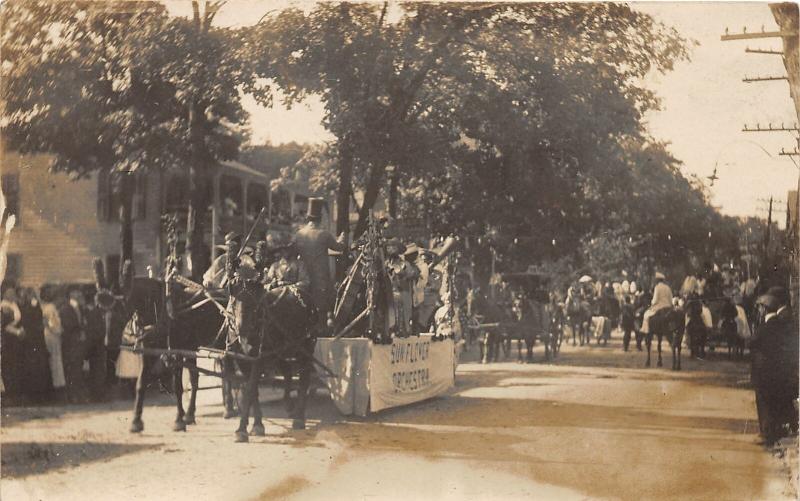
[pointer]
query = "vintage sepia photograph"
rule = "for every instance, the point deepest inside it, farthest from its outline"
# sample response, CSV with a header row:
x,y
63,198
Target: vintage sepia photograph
x,y
257,250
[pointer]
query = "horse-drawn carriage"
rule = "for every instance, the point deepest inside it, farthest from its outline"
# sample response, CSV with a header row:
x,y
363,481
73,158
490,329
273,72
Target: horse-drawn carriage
x,y
517,308
254,331
249,330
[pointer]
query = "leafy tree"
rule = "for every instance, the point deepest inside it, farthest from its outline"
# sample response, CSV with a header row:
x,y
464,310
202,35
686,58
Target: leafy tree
x,y
123,86
517,117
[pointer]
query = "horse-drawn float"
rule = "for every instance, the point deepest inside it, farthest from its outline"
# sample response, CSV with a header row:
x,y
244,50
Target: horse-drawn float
x,y
378,354
372,362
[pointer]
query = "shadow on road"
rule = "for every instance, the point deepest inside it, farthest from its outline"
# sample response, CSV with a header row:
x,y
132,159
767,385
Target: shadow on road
x,y
20,459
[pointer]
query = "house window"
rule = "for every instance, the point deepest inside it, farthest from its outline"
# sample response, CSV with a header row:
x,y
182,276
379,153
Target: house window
x,y
177,195
13,268
256,199
230,196
109,199
10,186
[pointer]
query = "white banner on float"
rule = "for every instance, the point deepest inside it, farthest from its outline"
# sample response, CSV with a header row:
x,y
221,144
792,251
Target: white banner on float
x,y
410,370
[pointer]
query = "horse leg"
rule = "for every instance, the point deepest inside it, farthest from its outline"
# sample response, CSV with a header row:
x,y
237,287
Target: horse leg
x,y
648,340
286,372
257,430
177,375
228,375
299,415
660,362
529,346
137,425
547,349
248,395
194,378
679,344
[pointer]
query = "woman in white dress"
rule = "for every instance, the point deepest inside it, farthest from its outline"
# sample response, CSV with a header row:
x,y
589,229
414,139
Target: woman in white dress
x,y
52,337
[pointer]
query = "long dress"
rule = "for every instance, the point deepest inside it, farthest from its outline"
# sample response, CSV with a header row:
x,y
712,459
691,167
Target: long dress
x,y
52,338
36,368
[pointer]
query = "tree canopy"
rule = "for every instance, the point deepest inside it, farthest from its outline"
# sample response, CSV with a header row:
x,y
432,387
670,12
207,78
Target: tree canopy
x,y
518,125
124,86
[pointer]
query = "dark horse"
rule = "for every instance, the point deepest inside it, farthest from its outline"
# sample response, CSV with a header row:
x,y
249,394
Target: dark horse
x,y
155,320
695,327
666,323
579,317
493,319
275,328
531,321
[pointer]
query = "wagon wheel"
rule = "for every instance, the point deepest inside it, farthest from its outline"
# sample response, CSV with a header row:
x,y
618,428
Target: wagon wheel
x,y
473,330
237,384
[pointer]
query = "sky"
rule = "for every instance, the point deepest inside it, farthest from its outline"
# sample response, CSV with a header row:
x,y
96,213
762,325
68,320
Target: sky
x,y
705,104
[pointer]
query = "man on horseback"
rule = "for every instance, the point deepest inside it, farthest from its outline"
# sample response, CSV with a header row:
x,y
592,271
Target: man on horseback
x,y
662,300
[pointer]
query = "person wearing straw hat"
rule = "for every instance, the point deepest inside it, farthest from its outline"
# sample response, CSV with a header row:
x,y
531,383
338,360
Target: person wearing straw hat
x,y
287,269
662,299
313,243
215,277
402,276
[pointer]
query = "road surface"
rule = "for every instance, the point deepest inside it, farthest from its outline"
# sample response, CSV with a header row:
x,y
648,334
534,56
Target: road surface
x,y
594,425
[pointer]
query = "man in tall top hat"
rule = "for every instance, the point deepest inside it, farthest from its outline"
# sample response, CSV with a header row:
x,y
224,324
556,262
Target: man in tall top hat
x,y
313,243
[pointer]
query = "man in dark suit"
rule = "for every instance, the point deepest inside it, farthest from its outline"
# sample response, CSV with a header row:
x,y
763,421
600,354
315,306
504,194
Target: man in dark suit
x,y
95,350
775,366
73,340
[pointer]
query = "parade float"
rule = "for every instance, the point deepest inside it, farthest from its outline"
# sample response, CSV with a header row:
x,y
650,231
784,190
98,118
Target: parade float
x,y
376,358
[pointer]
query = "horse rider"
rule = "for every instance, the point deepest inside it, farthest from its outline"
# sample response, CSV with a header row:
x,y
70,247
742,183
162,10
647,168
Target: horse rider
x,y
313,243
662,299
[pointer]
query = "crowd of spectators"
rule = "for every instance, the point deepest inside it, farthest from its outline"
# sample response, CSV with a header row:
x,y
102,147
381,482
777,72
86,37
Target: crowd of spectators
x,y
53,345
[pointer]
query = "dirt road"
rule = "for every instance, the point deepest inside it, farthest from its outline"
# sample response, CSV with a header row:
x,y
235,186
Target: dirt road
x,y
594,425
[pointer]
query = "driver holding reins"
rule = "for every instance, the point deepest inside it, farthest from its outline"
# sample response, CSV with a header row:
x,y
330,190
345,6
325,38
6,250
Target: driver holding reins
x,y
662,299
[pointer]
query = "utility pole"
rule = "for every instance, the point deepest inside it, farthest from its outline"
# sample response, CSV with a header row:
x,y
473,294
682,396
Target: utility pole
x,y
786,17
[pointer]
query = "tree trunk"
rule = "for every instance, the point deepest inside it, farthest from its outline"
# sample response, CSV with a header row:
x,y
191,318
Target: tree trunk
x,y
393,181
343,201
370,197
125,186
196,248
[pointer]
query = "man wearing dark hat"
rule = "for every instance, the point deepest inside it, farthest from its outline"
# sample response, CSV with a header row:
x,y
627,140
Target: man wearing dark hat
x,y
775,366
313,243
